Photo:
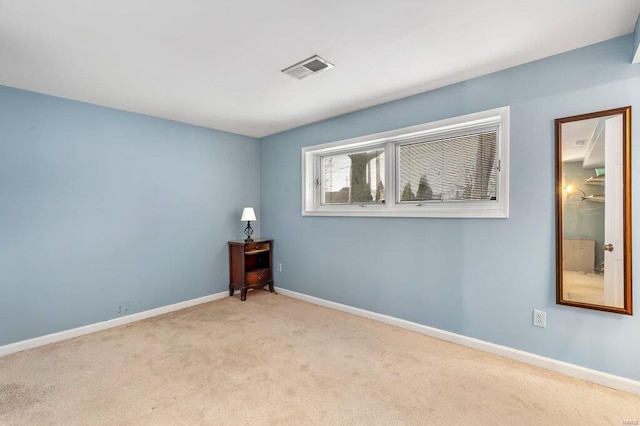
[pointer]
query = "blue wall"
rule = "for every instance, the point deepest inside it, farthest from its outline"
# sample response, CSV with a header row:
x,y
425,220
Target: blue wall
x,y
477,277
105,213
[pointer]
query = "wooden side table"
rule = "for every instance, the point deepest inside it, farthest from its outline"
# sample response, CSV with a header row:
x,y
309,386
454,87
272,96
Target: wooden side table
x,y
250,265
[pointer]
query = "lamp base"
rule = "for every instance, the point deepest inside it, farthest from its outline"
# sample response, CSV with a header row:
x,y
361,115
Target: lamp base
x,y
248,231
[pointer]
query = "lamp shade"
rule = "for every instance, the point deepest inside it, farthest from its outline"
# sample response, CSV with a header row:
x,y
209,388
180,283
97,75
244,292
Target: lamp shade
x,y
248,214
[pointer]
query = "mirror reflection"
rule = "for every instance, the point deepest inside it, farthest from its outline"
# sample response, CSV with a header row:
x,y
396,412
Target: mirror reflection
x,y
593,217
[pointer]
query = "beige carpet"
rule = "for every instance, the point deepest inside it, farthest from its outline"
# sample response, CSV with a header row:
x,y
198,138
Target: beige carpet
x,y
275,360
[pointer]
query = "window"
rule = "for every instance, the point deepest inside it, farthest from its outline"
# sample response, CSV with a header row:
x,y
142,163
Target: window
x,y
451,168
355,177
456,168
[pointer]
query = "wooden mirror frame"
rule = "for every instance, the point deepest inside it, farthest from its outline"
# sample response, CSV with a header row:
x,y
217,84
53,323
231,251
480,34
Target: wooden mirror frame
x,y
626,210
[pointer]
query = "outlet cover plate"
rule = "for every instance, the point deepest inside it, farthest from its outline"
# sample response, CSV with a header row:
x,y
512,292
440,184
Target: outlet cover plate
x,y
539,318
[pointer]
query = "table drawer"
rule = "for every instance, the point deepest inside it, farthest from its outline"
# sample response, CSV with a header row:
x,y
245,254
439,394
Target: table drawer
x,y
254,248
258,277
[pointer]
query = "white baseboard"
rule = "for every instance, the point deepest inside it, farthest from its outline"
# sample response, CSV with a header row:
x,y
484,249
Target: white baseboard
x,y
99,326
590,375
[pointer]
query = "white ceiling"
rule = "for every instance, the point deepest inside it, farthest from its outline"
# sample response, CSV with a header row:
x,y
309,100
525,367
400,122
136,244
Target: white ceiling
x,y
577,137
217,63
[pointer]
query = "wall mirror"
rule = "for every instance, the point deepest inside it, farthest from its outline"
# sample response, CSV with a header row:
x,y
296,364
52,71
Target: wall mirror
x,y
593,210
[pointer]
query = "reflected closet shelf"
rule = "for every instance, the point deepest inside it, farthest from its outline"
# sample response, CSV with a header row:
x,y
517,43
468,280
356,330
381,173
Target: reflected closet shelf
x,y
595,198
595,180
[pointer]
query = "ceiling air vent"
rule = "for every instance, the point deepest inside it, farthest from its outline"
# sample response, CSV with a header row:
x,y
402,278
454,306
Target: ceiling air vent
x,y
312,65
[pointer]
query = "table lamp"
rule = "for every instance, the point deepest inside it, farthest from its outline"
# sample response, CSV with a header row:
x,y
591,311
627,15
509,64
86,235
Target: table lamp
x,y
248,214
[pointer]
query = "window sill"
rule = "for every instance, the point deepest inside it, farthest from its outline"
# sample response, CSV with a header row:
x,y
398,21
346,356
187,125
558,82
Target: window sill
x,y
493,210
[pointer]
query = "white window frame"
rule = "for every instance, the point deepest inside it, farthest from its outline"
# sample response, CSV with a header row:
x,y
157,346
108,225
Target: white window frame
x,y
391,140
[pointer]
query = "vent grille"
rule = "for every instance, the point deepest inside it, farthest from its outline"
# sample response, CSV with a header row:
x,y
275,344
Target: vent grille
x,y
312,65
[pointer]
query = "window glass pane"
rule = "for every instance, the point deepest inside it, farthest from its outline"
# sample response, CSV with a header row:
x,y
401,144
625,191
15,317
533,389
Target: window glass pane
x,y
457,168
356,177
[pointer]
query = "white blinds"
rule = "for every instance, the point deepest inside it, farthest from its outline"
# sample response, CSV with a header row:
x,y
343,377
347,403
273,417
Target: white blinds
x,y
455,168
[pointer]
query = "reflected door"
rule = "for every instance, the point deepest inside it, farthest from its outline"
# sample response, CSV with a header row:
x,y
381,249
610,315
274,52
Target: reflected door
x,y
613,219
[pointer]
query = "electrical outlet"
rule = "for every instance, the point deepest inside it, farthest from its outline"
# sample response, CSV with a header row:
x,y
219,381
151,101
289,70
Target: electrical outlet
x,y
539,318
124,307
279,267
